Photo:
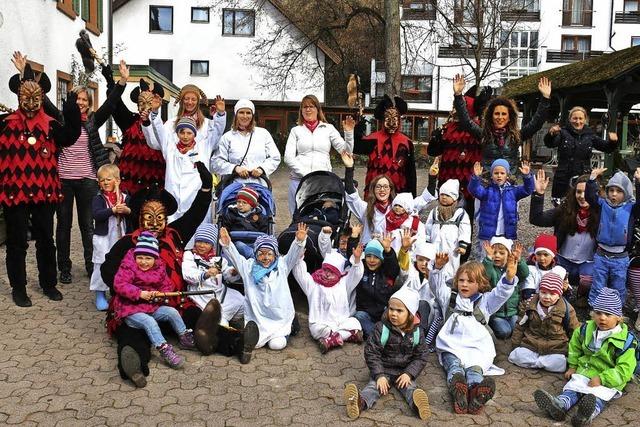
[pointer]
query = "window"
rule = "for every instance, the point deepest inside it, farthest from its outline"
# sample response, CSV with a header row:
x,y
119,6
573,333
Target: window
x,y
199,68
160,19
406,126
635,41
519,54
525,5
238,22
632,5
63,86
67,7
163,66
419,10
576,43
416,88
466,11
379,90
577,12
200,14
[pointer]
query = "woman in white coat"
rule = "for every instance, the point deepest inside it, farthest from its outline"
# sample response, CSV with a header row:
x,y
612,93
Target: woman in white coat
x,y
181,176
247,151
310,142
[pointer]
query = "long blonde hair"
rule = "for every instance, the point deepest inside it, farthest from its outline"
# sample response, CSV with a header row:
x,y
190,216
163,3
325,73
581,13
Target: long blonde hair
x,y
78,89
199,116
314,100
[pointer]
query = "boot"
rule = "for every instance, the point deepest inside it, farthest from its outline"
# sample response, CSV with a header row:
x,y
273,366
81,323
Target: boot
x,y
333,340
550,404
170,356
206,330
459,389
53,294
356,337
132,367
421,404
20,297
353,400
586,408
187,341
102,303
480,394
250,337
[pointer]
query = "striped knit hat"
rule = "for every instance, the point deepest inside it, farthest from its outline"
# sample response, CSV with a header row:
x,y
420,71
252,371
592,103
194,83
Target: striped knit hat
x,y
608,301
147,245
207,233
551,283
249,195
266,241
187,123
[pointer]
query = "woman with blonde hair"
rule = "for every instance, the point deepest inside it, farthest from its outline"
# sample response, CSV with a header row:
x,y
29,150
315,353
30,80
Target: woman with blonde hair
x,y
310,143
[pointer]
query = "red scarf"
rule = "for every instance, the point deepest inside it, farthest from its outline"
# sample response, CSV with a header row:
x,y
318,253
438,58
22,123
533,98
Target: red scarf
x,y
184,148
582,218
311,125
499,134
83,117
382,206
394,221
113,197
207,257
319,278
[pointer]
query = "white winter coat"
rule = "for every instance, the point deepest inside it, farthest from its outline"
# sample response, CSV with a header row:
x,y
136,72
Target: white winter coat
x,y
447,236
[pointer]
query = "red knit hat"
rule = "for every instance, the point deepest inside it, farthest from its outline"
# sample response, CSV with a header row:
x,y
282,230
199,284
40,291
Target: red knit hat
x,y
249,195
551,283
546,242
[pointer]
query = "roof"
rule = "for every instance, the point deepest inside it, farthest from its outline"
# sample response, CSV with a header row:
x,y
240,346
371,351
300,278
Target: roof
x,y
136,72
330,53
588,72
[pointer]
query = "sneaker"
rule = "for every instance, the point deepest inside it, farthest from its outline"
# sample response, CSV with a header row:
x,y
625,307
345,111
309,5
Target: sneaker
x,y
187,341
356,337
459,389
295,326
170,356
550,404
102,303
480,394
250,337
586,408
206,331
65,277
332,341
354,402
130,361
20,297
421,403
53,294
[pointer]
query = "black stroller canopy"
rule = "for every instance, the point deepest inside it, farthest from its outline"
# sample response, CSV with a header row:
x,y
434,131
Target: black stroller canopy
x,y
319,185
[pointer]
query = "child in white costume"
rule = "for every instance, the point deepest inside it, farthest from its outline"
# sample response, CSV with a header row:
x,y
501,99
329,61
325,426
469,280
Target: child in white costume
x,y
204,271
267,296
328,290
404,216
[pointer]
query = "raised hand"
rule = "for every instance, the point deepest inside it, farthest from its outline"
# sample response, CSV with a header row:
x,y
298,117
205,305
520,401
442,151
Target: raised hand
x,y
347,159
477,169
544,86
486,245
458,84
442,258
357,252
554,130
512,266
541,181
124,72
144,115
348,124
327,230
597,172
517,250
613,137
356,230
525,168
156,102
435,167
386,240
301,233
218,105
637,174
19,61
225,240
407,239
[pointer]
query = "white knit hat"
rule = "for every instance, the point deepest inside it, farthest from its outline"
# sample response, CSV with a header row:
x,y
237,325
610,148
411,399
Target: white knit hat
x,y
560,271
244,103
405,200
425,249
501,240
451,188
409,297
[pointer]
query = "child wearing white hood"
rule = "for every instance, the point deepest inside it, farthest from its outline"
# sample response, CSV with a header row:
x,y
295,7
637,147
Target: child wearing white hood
x,y
328,290
448,226
403,216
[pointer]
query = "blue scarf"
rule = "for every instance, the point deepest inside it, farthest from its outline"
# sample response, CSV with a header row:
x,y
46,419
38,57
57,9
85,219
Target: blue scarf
x,y
258,271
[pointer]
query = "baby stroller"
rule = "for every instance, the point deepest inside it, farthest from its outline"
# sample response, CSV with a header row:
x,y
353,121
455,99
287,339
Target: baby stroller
x,y
315,189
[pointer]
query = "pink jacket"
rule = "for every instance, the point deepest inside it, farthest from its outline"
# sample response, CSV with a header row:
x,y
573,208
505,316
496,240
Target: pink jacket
x,y
130,281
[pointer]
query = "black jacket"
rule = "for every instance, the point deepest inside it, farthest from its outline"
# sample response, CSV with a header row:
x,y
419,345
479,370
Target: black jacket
x,y
399,355
376,287
256,221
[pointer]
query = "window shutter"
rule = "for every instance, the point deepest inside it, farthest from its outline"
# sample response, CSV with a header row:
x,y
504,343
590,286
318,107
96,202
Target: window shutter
x,y
84,13
100,8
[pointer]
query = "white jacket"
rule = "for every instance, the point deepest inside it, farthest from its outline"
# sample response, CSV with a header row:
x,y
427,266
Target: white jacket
x,y
308,151
262,152
447,235
181,178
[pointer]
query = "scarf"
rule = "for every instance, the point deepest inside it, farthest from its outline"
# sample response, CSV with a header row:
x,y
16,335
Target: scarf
x,y
582,219
319,278
112,197
394,221
382,206
499,135
206,257
258,271
84,117
184,148
311,125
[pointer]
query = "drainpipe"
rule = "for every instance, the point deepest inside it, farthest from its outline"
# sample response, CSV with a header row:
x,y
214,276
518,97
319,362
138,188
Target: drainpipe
x,y
110,54
612,18
438,98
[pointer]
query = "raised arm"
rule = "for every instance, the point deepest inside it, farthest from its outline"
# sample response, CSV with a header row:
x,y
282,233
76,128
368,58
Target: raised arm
x,y
303,277
217,123
155,132
540,116
345,144
67,133
297,248
109,106
461,108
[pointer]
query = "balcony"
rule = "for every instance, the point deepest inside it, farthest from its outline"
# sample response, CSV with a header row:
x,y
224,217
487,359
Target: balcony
x,y
464,52
571,18
627,18
520,16
409,14
571,55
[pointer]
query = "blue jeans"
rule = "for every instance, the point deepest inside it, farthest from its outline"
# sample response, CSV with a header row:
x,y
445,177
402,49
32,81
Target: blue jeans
x,y
150,323
370,393
569,398
609,272
452,366
576,272
366,321
503,326
244,249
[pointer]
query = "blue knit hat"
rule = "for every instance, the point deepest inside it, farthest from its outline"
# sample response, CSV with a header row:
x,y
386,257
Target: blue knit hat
x,y
374,248
207,233
188,123
147,245
500,162
608,301
266,241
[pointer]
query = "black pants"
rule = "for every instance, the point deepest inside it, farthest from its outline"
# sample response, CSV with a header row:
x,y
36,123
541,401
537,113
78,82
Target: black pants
x,y
83,190
17,220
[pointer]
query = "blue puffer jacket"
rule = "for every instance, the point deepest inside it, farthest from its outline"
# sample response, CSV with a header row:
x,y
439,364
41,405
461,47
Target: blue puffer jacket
x,y
491,198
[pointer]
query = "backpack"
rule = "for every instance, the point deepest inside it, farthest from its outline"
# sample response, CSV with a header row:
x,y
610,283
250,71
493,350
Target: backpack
x,y
477,313
451,220
631,341
384,337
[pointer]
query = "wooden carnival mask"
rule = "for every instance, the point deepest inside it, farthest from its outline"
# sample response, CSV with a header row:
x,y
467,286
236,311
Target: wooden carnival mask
x,y
391,120
146,98
145,101
30,93
153,217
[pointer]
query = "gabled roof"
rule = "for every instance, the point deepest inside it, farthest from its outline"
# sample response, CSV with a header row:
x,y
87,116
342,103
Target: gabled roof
x,y
330,53
588,72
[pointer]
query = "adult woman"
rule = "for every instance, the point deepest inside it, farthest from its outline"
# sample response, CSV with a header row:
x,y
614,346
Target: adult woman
x,y
246,151
310,142
575,144
181,178
575,225
501,138
78,164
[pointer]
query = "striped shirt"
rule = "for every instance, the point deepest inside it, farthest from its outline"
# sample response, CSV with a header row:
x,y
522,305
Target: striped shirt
x,y
75,160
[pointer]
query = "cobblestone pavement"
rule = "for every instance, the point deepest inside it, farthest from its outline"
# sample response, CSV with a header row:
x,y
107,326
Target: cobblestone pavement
x,y
58,367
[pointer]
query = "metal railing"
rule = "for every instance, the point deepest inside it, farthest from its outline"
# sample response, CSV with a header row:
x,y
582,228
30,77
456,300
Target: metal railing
x,y
464,52
627,18
519,16
571,55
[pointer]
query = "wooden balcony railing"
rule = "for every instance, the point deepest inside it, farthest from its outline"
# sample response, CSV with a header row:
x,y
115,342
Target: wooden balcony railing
x,y
571,55
464,52
520,16
627,18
